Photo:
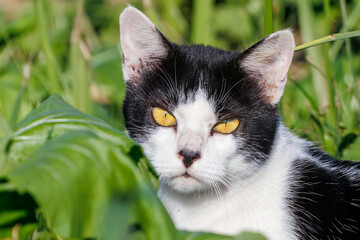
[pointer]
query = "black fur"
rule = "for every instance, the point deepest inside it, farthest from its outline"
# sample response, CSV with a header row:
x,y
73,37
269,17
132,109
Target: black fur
x,y
325,197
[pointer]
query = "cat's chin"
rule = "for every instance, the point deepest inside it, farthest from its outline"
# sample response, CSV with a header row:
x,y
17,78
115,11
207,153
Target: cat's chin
x,y
186,184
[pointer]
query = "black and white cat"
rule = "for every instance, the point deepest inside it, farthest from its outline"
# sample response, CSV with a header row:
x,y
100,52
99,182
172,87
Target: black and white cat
x,y
209,124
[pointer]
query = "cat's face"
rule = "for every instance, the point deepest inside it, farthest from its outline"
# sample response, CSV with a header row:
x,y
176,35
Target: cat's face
x,y
205,117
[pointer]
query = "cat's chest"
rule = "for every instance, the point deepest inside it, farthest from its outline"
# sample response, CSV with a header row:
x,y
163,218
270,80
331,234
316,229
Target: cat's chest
x,y
231,217
260,208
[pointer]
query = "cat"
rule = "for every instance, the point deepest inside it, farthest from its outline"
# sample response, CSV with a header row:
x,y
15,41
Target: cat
x,y
208,121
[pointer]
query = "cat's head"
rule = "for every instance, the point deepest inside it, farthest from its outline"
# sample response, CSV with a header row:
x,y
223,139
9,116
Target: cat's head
x,y
205,117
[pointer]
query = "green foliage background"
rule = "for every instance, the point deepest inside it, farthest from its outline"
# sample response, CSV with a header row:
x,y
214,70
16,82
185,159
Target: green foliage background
x,y
67,170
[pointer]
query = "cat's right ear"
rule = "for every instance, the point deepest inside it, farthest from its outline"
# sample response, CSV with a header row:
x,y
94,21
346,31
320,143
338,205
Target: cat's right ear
x,y
269,61
143,45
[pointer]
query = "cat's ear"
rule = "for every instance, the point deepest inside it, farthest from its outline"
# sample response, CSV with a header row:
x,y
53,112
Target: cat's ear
x,y
142,43
269,61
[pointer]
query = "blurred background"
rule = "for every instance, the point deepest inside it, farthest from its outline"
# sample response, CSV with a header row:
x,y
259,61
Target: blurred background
x,y
71,47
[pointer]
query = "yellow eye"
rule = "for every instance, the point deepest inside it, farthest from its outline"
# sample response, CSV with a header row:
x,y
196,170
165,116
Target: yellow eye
x,y
227,126
162,117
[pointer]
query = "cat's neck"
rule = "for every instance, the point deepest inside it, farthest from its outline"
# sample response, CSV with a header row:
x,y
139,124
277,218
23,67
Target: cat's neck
x,y
247,202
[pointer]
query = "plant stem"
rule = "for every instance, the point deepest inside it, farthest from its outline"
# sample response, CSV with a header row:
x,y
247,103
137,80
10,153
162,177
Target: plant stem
x,y
307,21
351,22
78,65
330,38
268,17
51,63
348,50
333,111
17,104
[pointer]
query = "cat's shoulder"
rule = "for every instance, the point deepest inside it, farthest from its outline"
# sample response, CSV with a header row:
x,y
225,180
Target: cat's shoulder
x,y
317,164
325,196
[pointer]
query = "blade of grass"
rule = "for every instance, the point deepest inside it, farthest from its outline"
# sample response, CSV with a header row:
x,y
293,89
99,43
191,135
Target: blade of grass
x,y
352,21
318,127
330,38
17,104
348,50
307,21
3,33
171,12
79,68
5,133
333,111
307,95
268,17
51,63
279,12
200,32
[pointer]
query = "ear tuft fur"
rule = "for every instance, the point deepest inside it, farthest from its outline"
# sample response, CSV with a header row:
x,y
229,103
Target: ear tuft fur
x,y
141,41
269,60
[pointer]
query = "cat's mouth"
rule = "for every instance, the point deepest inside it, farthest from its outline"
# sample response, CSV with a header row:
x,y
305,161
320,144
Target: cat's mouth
x,y
186,175
186,182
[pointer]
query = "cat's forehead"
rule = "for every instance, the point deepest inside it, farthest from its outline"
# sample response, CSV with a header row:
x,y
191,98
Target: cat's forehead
x,y
196,113
199,103
198,68
204,55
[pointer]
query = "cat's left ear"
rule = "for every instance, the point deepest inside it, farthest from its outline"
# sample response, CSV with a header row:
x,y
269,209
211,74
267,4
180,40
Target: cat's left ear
x,y
143,45
269,61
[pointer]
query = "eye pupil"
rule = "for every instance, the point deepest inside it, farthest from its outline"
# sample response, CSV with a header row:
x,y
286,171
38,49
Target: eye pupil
x,y
162,117
227,126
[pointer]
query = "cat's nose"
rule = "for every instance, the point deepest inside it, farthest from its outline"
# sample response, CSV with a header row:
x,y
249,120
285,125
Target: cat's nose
x,y
189,157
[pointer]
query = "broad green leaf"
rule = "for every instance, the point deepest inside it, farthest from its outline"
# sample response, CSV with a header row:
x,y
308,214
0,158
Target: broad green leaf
x,y
54,117
74,178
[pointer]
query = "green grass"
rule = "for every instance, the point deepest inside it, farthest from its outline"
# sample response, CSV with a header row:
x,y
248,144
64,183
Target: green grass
x,y
71,172
268,17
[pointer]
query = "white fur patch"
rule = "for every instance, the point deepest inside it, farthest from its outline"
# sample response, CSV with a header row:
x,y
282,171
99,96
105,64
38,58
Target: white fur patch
x,y
257,203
